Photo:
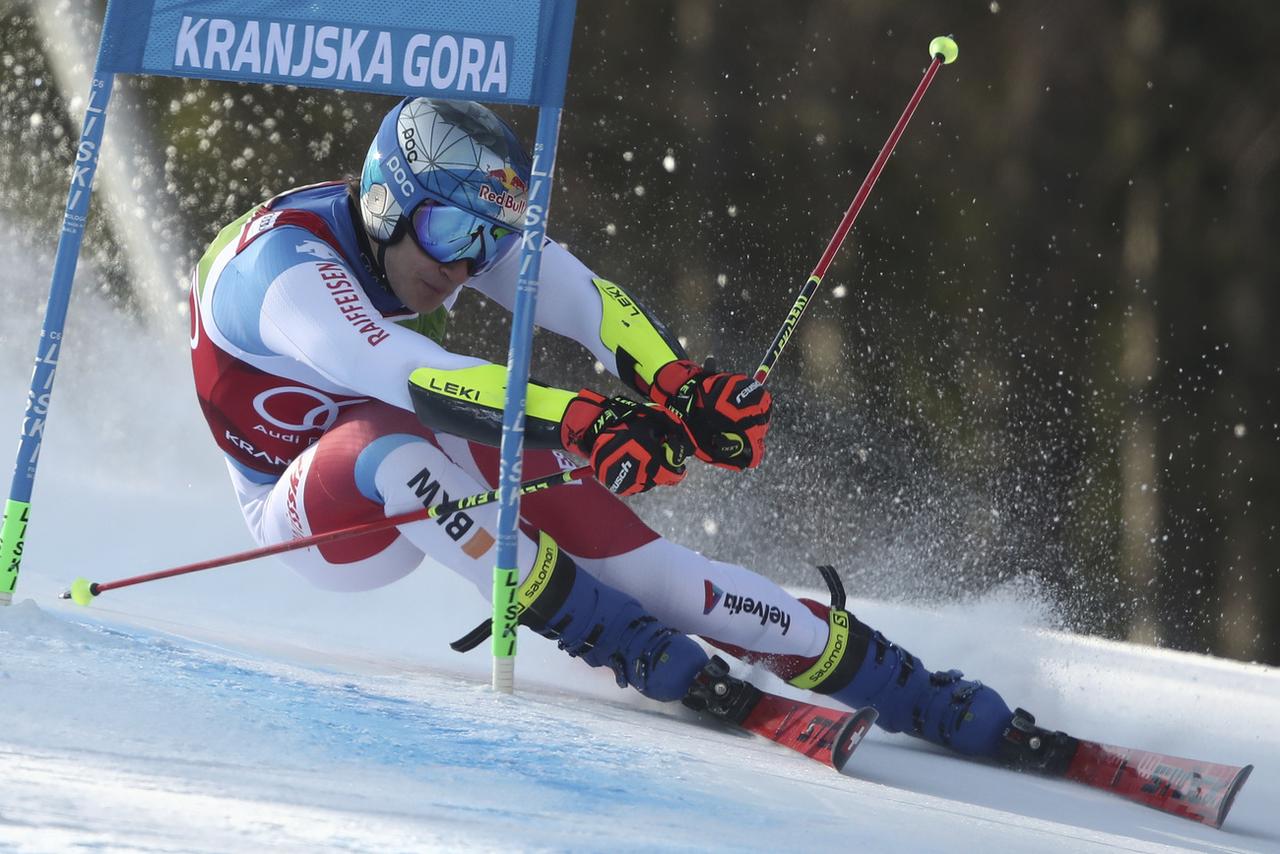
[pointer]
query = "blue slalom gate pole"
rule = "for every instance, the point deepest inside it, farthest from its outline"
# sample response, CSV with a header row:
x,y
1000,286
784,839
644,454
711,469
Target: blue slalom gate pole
x,y
506,573
558,28
17,508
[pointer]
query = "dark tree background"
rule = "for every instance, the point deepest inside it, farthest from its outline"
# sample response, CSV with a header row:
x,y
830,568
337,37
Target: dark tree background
x,y
1044,356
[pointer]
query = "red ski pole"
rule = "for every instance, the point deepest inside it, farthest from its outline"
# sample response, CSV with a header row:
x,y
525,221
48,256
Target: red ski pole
x,y
82,590
944,51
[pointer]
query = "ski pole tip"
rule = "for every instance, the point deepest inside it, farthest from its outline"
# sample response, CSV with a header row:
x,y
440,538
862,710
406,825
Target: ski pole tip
x,y
946,47
81,592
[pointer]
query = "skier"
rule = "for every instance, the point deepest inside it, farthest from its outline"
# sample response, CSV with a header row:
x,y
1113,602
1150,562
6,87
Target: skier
x,y
310,313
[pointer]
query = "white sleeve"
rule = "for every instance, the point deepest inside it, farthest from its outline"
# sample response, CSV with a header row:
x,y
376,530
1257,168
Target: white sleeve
x,y
318,314
568,303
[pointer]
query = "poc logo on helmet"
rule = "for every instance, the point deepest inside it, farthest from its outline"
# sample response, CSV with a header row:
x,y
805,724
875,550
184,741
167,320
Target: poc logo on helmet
x,y
409,142
399,174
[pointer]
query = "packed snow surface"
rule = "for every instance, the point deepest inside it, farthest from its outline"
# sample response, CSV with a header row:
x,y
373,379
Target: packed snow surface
x,y
128,729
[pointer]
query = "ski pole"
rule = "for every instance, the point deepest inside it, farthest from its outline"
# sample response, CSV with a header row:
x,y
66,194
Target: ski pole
x,y
943,50
83,591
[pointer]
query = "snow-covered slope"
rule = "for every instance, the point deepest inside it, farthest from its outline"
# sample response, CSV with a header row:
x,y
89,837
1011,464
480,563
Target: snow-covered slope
x,y
240,710
131,733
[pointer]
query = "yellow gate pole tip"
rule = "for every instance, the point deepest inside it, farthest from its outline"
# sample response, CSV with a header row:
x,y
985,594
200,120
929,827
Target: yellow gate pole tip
x,y
946,47
81,591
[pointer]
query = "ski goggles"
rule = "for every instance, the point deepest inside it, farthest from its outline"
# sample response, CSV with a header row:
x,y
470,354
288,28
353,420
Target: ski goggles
x,y
451,234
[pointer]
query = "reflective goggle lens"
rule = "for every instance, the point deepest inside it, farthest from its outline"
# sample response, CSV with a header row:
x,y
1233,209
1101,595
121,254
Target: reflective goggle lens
x,y
450,234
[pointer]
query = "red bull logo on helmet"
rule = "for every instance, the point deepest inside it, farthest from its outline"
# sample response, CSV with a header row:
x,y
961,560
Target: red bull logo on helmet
x,y
509,179
512,199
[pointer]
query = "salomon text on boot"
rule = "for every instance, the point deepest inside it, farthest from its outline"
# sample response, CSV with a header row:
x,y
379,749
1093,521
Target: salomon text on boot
x,y
861,667
601,625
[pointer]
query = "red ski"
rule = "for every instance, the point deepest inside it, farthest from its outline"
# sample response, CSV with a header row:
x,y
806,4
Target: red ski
x,y
1200,791
825,735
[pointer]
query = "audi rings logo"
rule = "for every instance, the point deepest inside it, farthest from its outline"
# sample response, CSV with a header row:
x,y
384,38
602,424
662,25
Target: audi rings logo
x,y
299,409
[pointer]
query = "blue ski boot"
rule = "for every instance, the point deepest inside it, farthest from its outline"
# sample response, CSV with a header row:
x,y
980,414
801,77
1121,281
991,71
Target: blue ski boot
x,y
603,626
861,667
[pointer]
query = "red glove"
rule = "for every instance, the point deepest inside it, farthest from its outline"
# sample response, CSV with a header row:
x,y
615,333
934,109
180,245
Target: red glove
x,y
726,415
632,447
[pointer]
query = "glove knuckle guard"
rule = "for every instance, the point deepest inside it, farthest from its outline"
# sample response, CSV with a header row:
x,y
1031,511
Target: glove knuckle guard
x,y
628,445
726,414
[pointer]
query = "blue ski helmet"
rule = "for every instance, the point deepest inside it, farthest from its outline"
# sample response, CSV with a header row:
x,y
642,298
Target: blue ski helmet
x,y
452,175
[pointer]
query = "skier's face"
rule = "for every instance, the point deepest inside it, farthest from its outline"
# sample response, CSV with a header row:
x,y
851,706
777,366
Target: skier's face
x,y
419,281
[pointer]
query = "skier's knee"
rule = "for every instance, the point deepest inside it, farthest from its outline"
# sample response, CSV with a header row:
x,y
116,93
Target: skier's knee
x,y
605,627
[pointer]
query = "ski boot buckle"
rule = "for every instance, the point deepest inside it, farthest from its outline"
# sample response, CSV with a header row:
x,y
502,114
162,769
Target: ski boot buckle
x,y
720,695
1027,747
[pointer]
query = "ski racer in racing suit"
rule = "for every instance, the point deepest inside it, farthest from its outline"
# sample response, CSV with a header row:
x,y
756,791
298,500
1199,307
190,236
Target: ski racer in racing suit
x,y
318,350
